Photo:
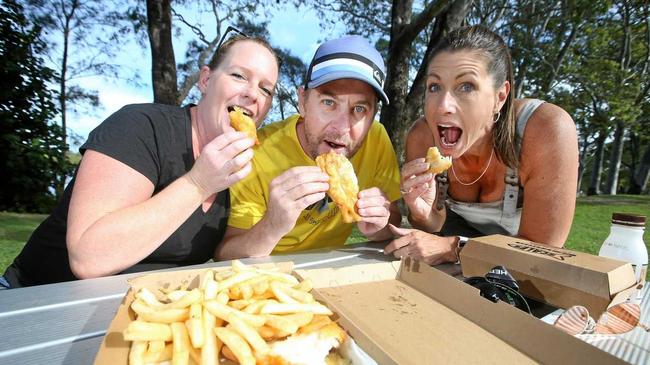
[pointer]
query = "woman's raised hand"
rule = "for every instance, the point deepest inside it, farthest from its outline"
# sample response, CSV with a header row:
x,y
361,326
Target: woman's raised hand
x,y
222,162
418,187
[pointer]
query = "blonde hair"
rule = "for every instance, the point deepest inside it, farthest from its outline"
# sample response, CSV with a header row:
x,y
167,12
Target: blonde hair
x,y
221,53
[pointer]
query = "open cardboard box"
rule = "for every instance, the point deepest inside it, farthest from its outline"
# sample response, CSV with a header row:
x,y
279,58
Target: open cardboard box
x,y
404,314
415,314
556,276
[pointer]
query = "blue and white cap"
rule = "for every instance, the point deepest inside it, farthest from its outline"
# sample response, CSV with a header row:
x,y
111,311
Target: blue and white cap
x,y
350,57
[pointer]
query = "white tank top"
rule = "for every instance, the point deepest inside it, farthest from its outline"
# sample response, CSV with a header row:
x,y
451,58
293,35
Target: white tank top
x,y
503,216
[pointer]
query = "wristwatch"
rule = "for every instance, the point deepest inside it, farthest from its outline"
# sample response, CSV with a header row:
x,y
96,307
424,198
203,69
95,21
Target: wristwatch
x,y
462,240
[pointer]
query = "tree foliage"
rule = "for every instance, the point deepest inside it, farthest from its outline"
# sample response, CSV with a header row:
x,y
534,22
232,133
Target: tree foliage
x,y
32,150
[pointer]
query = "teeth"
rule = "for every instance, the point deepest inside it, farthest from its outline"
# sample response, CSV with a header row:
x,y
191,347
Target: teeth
x,y
244,110
445,125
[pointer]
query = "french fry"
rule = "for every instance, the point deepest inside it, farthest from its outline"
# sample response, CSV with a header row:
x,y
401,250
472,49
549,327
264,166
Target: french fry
x,y
148,297
318,322
278,291
238,266
195,325
137,352
194,296
149,314
210,291
155,346
227,353
260,287
266,295
234,292
246,291
181,346
306,285
286,278
176,295
209,351
287,308
299,295
207,277
249,334
254,307
266,332
240,304
300,319
281,323
155,357
235,279
223,297
236,344
145,331
223,311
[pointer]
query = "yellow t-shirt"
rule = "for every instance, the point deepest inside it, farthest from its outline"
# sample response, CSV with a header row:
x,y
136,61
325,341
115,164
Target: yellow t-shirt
x,y
375,164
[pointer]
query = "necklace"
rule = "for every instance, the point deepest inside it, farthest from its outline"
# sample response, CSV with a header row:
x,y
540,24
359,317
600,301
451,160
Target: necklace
x,y
478,178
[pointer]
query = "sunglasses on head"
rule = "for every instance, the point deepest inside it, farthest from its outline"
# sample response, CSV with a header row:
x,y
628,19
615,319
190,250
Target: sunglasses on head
x,y
618,319
228,31
499,285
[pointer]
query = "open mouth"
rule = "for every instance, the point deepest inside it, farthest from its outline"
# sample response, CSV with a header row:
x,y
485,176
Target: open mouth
x,y
449,135
246,112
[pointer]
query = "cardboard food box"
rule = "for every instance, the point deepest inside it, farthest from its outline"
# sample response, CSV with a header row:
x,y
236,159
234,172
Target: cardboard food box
x,y
406,313
415,314
556,276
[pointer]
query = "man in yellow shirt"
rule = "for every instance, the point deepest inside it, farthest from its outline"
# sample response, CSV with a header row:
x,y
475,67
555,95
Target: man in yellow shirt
x,y
280,205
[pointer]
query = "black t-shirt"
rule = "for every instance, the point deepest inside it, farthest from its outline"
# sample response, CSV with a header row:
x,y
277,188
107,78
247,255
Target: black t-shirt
x,y
155,140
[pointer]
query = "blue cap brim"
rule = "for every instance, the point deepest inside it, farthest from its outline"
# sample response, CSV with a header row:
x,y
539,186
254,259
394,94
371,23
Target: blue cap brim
x,y
331,76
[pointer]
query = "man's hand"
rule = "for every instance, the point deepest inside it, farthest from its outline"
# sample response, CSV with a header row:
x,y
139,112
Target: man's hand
x,y
374,208
292,192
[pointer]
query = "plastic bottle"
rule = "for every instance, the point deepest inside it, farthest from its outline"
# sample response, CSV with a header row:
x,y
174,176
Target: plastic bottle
x,y
625,242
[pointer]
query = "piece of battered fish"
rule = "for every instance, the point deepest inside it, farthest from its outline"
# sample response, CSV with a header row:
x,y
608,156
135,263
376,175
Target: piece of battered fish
x,y
437,162
344,186
243,123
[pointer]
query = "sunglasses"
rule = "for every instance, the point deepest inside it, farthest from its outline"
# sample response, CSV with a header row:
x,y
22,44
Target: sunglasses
x,y
499,285
228,31
618,319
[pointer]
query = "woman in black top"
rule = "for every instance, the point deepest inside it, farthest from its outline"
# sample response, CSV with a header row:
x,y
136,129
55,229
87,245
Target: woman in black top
x,y
152,188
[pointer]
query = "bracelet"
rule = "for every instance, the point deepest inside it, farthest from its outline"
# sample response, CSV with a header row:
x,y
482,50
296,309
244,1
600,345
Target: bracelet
x,y
462,240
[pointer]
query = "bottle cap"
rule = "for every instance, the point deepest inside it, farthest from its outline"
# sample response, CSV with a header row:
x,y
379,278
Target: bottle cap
x,y
627,219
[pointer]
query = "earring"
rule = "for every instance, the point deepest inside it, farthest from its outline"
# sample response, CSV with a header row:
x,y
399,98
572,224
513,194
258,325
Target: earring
x,y
498,115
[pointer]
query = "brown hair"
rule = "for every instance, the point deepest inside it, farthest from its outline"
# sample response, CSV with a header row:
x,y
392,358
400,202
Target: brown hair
x,y
499,65
222,51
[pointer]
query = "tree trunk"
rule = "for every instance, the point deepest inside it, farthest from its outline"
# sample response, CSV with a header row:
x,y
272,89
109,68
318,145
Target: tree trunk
x,y
597,168
583,161
59,186
392,116
639,180
404,29
163,64
615,159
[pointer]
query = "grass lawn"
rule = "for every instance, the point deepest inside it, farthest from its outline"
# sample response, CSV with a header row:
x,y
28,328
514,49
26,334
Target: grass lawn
x,y
15,229
590,225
